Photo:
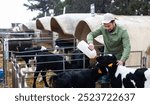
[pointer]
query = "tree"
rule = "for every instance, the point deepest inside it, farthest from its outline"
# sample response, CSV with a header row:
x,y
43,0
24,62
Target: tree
x,y
42,5
119,7
131,7
102,6
77,6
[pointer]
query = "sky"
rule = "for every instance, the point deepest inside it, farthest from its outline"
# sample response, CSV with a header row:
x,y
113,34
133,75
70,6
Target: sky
x,y
13,11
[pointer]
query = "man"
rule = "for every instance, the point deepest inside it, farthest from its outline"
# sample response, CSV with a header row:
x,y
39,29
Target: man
x,y
116,41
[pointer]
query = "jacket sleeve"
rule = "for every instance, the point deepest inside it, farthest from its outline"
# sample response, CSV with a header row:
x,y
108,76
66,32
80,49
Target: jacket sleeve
x,y
92,35
126,46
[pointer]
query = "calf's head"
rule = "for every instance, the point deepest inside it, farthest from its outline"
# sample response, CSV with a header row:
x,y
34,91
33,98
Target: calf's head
x,y
107,62
100,70
107,59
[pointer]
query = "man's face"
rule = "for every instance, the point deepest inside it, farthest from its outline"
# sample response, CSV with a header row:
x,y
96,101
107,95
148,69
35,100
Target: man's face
x,y
109,26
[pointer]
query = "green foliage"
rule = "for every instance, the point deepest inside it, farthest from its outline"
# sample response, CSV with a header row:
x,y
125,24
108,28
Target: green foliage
x,y
42,5
121,7
78,6
131,7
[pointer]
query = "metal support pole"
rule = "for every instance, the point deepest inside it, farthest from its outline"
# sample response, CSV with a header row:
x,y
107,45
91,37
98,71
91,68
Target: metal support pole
x,y
14,72
18,84
5,60
64,64
144,61
84,61
13,77
22,75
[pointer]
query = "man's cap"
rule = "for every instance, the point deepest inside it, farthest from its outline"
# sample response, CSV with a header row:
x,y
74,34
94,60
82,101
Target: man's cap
x,y
108,17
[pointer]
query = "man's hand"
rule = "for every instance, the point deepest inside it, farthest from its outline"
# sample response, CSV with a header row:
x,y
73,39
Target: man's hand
x,y
119,62
91,46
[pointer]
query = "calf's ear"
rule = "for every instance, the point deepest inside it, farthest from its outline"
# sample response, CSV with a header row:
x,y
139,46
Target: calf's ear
x,y
99,71
110,65
97,58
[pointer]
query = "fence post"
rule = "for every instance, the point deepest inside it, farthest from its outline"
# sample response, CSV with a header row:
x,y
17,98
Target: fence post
x,y
14,74
22,77
144,61
5,60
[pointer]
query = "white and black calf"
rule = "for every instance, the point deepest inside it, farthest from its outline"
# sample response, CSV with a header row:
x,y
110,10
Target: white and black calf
x,y
28,55
30,51
78,78
124,77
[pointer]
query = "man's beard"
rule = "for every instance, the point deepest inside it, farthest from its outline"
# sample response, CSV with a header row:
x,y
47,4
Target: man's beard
x,y
110,31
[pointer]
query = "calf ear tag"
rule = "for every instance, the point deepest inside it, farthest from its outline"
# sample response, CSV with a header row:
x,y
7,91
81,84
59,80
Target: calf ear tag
x,y
110,65
99,71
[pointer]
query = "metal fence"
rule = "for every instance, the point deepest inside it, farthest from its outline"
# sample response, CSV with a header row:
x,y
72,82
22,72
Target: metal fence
x,y
13,39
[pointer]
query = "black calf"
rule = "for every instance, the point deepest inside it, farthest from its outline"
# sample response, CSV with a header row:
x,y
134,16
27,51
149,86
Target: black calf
x,y
66,44
56,63
49,61
77,79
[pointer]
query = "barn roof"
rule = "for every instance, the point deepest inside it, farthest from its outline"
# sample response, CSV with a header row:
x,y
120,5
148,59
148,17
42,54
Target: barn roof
x,y
65,24
32,25
87,25
44,23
